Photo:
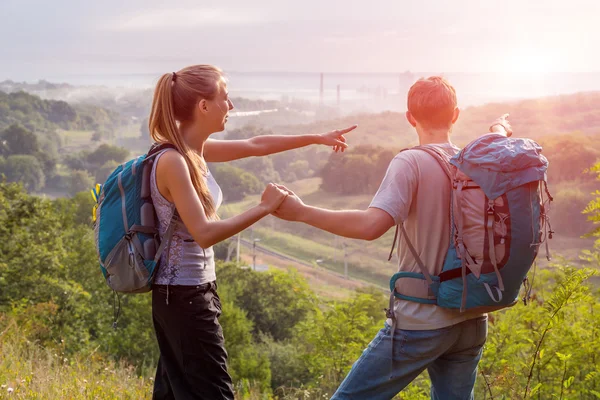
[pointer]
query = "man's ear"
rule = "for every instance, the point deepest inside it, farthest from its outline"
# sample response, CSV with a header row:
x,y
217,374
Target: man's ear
x,y
456,114
411,119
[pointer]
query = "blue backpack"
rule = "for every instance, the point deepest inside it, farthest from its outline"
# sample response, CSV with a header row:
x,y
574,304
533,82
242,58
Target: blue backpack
x,y
499,218
126,226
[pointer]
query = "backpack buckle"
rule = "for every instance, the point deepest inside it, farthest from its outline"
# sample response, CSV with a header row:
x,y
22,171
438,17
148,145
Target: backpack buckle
x,y
491,206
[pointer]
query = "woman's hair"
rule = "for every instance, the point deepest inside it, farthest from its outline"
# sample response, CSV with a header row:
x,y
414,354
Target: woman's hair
x,y
176,96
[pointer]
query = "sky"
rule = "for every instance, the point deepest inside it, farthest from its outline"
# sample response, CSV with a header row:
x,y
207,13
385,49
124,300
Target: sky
x,y
41,39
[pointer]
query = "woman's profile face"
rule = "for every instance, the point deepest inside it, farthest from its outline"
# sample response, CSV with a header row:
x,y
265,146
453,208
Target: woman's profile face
x,y
218,108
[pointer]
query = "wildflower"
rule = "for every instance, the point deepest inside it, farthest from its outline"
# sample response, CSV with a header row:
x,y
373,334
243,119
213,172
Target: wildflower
x,y
65,359
85,381
3,386
10,390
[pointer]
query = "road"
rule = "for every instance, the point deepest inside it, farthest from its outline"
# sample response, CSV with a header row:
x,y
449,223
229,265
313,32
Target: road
x,y
316,276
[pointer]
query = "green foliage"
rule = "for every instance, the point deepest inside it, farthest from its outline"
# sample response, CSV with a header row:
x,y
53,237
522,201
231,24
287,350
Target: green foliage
x,y
274,301
247,132
48,115
569,156
299,169
593,208
246,362
357,171
235,182
287,166
80,181
261,167
76,210
77,161
35,372
548,346
565,210
332,339
289,367
105,170
105,153
282,340
26,170
18,140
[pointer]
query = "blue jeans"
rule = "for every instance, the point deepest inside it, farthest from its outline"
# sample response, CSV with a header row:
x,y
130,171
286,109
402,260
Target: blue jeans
x,y
449,354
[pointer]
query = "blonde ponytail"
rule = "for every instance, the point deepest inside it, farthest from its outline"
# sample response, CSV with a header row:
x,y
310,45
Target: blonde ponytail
x,y
166,111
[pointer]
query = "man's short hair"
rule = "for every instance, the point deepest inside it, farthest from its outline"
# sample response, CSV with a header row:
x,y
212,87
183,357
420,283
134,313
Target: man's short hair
x,y
432,102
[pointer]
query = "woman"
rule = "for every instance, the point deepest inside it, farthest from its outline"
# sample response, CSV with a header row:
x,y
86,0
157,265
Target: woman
x,y
188,107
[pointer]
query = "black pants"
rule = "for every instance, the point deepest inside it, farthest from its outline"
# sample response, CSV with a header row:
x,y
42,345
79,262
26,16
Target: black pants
x,y
193,360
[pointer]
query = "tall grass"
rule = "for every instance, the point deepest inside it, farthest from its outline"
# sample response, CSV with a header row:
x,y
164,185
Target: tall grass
x,y
28,371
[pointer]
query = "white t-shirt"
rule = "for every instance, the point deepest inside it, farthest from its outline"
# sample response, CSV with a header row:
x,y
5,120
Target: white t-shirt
x,y
416,190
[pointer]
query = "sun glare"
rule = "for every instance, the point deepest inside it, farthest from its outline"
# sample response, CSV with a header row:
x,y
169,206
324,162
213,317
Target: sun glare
x,y
529,62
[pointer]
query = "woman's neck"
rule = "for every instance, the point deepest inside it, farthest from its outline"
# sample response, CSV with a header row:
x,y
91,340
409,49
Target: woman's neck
x,y
194,136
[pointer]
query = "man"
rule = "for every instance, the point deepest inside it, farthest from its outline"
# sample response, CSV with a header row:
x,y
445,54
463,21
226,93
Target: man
x,y
415,192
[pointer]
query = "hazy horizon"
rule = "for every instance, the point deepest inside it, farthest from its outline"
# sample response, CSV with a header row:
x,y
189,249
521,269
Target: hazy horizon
x,y
40,40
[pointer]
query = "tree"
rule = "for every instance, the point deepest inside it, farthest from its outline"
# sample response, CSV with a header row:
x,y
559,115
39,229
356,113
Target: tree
x,y
235,182
25,169
299,169
106,152
274,301
245,362
593,210
61,113
104,171
332,340
77,161
96,136
80,181
19,140
261,167
247,132
358,171
48,162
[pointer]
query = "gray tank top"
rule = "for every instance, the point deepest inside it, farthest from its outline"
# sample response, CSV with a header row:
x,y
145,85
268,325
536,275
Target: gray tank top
x,y
188,263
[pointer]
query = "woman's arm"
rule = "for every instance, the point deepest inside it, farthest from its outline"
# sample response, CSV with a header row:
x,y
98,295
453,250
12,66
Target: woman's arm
x,y
173,171
228,150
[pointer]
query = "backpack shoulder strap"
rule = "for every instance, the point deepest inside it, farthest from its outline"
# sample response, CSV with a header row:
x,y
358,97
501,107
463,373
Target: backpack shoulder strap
x,y
443,159
158,147
441,156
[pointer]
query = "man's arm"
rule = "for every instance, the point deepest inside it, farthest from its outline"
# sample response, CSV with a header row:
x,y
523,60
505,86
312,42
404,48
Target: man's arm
x,y
390,205
367,224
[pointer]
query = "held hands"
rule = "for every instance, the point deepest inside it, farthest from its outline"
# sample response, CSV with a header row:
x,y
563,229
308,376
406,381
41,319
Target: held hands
x,y
502,126
335,138
291,208
272,197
